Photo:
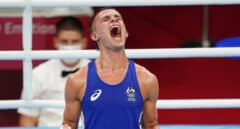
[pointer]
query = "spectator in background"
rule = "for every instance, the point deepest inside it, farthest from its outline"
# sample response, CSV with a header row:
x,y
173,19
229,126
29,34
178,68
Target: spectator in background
x,y
49,78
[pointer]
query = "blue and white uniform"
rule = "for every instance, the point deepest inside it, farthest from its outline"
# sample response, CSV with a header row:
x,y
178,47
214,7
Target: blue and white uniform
x,y
106,106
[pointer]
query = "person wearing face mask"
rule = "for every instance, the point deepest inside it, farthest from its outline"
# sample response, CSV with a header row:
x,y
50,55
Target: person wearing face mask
x,y
49,78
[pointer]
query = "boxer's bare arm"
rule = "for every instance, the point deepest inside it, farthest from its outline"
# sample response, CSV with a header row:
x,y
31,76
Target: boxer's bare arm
x,y
150,114
149,89
73,95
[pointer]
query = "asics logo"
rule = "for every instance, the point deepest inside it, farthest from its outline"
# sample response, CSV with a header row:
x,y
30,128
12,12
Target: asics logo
x,y
96,95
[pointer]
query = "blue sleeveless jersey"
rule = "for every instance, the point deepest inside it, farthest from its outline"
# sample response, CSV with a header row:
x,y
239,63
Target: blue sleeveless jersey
x,y
107,106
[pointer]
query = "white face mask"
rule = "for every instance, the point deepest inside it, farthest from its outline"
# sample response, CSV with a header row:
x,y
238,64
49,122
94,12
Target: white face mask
x,y
70,47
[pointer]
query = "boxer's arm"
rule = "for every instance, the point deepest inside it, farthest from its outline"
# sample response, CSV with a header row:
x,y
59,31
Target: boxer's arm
x,y
150,114
72,104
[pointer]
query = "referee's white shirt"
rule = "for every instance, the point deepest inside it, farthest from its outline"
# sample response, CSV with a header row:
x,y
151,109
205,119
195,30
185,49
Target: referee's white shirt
x,y
49,84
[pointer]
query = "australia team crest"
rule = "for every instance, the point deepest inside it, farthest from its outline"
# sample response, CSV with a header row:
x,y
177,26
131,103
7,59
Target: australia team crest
x,y
131,94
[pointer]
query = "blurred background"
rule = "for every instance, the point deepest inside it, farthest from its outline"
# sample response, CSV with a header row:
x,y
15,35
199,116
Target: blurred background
x,y
150,27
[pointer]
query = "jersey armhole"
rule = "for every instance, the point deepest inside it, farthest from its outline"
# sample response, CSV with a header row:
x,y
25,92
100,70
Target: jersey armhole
x,y
135,77
86,83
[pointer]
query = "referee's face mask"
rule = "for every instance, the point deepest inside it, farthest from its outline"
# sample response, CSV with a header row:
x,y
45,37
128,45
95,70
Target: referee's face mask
x,y
70,40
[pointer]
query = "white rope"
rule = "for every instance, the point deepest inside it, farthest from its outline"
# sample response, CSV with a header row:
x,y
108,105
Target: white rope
x,y
61,3
100,3
131,53
161,104
48,12
27,48
198,103
12,3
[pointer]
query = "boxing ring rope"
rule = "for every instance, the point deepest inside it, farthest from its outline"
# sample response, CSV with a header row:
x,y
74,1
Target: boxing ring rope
x,y
131,53
161,104
27,47
100,3
27,55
